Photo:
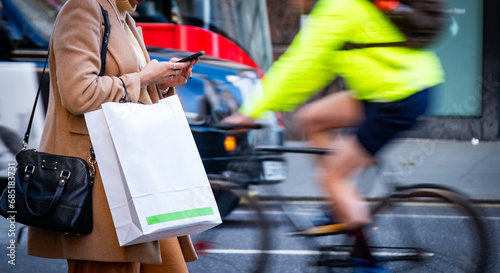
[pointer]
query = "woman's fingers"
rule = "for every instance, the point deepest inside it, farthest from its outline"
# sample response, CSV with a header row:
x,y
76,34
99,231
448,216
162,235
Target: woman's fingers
x,y
178,66
187,72
186,66
171,73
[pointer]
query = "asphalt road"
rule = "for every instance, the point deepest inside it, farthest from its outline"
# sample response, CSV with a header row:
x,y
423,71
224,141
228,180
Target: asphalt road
x,y
437,226
472,169
233,246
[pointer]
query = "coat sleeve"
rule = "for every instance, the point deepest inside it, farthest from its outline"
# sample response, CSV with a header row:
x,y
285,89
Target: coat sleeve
x,y
306,66
76,45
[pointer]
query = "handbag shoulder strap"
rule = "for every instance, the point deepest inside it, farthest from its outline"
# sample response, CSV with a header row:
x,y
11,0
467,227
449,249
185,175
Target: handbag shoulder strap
x,y
104,50
105,41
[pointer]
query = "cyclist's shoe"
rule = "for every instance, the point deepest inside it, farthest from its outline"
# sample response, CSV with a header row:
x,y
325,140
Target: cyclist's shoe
x,y
322,230
324,217
363,266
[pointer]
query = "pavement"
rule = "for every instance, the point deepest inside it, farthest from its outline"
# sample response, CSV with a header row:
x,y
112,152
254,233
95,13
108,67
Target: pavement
x,y
472,167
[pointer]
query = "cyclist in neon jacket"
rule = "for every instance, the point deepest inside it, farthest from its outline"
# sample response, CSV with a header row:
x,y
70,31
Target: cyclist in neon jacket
x,y
389,89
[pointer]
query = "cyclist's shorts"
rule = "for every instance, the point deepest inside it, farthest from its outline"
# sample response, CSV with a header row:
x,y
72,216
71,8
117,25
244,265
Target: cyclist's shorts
x,y
385,120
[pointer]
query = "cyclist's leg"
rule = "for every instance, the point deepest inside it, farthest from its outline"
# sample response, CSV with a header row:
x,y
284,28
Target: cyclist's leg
x,y
349,205
380,122
318,118
338,110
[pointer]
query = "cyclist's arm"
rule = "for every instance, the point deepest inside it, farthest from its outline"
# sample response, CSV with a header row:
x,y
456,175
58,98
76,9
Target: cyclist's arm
x,y
307,64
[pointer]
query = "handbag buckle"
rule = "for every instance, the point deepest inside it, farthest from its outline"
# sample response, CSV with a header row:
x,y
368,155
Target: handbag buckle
x,y
65,174
25,145
31,168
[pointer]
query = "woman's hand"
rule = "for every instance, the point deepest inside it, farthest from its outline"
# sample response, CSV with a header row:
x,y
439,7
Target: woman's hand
x,y
166,74
182,74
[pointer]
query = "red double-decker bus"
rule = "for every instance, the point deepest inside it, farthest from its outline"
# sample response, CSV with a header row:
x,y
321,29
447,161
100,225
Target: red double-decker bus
x,y
227,29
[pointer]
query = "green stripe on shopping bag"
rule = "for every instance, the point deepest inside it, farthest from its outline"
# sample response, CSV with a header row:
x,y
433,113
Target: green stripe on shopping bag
x,y
172,216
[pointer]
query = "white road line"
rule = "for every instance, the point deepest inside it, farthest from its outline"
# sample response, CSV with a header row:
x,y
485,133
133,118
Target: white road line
x,y
306,252
417,216
433,216
272,252
409,203
308,213
270,212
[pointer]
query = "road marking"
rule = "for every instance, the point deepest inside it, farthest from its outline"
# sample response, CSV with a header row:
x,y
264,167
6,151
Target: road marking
x,y
311,213
308,252
413,204
420,216
434,216
272,252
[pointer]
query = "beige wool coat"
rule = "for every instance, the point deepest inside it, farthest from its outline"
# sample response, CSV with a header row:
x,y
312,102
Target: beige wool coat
x,y
76,88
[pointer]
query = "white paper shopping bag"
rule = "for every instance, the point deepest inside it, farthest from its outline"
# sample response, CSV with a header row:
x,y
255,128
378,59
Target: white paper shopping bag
x,y
152,173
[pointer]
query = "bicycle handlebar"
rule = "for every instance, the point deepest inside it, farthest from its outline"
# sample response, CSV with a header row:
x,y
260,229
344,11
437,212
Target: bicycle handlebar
x,y
299,150
232,126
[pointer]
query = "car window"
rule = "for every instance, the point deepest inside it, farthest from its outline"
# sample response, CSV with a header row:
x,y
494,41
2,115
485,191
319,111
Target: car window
x,y
29,21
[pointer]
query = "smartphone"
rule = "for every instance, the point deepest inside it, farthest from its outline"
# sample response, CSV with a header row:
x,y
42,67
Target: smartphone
x,y
191,57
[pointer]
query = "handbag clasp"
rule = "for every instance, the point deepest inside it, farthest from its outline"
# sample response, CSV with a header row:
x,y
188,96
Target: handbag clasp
x,y
25,145
65,173
30,170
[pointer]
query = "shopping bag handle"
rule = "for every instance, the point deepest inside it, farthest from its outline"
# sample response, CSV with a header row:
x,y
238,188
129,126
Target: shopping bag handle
x,y
126,97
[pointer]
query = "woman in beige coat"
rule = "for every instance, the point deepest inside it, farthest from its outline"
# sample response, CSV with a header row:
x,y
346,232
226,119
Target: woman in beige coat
x,y
76,88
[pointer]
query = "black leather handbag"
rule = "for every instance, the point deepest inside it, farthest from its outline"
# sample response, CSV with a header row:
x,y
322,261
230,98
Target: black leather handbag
x,y
52,192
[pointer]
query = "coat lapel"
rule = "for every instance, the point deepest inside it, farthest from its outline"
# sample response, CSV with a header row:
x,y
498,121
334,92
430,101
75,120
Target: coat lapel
x,y
121,48
119,45
137,31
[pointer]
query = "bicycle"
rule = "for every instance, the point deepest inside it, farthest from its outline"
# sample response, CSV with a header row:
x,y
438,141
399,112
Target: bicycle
x,y
401,252
394,232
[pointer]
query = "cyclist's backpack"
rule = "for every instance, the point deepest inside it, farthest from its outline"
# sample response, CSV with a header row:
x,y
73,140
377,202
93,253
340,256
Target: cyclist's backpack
x,y
421,21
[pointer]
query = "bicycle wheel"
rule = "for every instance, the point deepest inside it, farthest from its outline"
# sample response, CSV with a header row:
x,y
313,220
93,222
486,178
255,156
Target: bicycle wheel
x,y
428,229
239,244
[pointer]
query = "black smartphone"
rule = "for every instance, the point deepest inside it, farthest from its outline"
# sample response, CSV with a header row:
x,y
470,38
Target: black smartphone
x,y
191,57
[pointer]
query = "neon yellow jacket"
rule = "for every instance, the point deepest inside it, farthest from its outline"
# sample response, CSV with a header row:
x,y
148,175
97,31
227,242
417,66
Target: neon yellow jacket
x,y
313,60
